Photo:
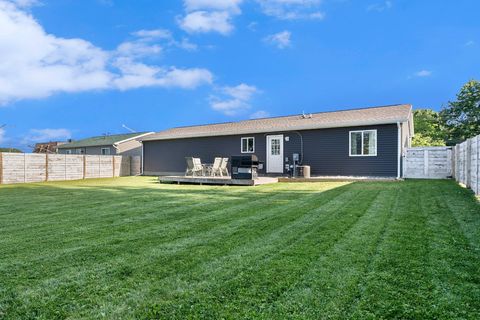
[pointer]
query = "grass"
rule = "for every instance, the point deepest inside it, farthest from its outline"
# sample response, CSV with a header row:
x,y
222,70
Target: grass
x,y
131,248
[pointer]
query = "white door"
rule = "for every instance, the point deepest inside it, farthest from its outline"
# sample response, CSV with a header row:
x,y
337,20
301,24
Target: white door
x,y
275,154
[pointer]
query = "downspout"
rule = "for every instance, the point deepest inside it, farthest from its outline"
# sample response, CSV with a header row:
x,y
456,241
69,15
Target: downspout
x,y
116,146
143,159
399,158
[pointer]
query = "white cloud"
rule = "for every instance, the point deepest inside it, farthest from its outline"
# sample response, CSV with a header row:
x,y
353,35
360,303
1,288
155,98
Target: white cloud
x,y
138,49
380,7
281,40
153,34
423,73
47,135
136,74
217,5
241,92
35,64
187,45
204,22
203,16
235,99
260,114
292,9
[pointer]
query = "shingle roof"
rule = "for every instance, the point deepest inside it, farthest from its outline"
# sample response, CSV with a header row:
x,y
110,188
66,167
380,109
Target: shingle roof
x,y
333,119
100,140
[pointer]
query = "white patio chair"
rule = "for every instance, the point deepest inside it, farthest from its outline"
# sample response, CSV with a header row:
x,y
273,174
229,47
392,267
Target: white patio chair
x,y
215,170
198,168
192,168
224,167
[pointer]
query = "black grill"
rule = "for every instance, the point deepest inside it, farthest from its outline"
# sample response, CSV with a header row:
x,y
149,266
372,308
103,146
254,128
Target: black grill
x,y
244,167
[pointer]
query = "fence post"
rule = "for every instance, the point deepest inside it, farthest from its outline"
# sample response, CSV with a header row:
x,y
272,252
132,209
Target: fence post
x,y
46,166
113,166
468,162
453,162
24,168
425,162
84,166
477,191
1,168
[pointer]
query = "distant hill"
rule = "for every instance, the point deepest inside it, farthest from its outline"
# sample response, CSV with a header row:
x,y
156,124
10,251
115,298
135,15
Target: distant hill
x,y
10,150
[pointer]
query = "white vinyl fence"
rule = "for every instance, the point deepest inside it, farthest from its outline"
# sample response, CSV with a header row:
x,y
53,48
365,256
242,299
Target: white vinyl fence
x,y
428,163
461,162
32,167
467,163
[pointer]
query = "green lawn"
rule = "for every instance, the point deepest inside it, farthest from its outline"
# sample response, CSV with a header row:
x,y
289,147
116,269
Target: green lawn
x,y
131,248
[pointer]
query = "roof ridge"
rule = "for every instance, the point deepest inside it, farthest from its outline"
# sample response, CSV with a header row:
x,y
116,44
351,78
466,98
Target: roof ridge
x,y
288,116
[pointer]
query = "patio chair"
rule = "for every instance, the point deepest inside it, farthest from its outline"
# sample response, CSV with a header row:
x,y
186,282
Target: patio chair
x,y
224,168
215,170
192,168
199,168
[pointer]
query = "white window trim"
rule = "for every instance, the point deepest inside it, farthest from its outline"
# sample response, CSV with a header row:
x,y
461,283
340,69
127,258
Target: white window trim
x,y
101,151
68,151
350,143
241,144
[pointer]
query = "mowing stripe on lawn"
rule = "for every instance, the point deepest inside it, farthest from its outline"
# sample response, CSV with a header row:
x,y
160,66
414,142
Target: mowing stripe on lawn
x,y
174,259
332,283
95,227
183,242
395,287
277,276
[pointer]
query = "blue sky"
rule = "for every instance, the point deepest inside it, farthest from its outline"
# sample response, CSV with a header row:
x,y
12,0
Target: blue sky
x,y
73,69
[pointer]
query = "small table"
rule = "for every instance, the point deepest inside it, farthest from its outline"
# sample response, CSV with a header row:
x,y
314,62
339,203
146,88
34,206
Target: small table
x,y
207,168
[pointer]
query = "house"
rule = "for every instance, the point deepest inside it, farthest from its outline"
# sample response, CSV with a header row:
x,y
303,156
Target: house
x,y
47,147
118,144
358,142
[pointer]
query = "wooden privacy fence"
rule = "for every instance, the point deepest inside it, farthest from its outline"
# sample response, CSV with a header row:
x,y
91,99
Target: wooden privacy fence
x,y
25,167
461,162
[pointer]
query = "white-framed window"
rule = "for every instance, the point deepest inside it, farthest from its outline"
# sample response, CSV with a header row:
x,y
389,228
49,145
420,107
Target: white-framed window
x,y
68,151
105,151
248,145
363,143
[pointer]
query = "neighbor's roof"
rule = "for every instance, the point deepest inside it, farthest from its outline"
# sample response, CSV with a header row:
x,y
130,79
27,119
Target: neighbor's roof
x,y
101,140
334,119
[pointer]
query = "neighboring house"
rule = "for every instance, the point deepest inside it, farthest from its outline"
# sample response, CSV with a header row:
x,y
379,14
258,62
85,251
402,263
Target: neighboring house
x,y
47,147
118,144
359,142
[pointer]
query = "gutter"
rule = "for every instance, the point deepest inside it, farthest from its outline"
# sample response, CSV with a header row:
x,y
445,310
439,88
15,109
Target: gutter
x,y
399,158
143,159
132,138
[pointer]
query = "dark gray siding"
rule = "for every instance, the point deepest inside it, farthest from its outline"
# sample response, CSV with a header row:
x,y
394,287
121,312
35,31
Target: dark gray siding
x,y
97,150
325,150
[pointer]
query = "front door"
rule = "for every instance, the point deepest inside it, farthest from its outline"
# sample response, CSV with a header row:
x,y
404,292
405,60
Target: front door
x,y
275,154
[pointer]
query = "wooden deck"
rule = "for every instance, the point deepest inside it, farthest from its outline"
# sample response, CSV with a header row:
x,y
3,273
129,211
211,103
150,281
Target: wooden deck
x,y
226,181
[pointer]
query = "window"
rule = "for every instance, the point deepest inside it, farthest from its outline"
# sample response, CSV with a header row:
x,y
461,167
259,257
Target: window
x,y
248,145
363,143
68,151
275,145
105,151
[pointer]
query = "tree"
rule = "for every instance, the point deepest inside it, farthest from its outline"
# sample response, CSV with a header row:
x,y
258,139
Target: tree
x,y
428,129
462,117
